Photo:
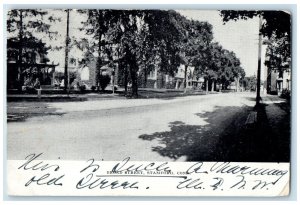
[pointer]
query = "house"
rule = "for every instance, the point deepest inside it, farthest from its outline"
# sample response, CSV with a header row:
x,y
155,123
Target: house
x,y
277,80
85,72
160,80
34,63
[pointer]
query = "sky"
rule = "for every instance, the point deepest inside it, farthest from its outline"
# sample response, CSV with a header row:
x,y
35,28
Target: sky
x,y
240,36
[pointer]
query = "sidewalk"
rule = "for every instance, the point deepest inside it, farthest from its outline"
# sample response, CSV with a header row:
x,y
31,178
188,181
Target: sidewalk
x,y
271,135
278,114
60,97
264,135
144,93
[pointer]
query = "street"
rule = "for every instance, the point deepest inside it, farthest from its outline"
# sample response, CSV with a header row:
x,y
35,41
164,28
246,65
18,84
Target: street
x,y
207,127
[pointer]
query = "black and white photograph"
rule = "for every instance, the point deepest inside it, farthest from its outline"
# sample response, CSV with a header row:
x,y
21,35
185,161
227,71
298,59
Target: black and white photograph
x,y
149,85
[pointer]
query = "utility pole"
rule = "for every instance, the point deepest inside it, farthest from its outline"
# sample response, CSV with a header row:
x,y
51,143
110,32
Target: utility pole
x,y
259,62
67,53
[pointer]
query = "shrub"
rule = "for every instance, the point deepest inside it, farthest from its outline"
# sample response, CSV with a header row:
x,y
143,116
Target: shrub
x,y
93,88
82,88
104,81
286,94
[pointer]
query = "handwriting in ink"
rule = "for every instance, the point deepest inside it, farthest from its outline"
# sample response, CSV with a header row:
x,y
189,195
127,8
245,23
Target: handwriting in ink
x,y
92,181
153,166
240,184
196,168
189,183
228,168
263,184
33,165
46,179
91,165
218,183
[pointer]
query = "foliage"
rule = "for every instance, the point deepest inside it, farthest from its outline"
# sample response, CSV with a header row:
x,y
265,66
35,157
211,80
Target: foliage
x,y
22,24
276,22
277,27
82,88
139,41
250,83
104,81
221,65
278,53
286,94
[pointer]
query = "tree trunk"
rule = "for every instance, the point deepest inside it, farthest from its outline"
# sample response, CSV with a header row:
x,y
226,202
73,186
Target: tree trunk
x,y
185,76
237,84
133,67
206,87
116,77
212,86
134,83
98,72
145,78
125,79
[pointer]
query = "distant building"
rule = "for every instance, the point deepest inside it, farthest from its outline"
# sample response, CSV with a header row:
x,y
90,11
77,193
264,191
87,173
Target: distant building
x,y
160,80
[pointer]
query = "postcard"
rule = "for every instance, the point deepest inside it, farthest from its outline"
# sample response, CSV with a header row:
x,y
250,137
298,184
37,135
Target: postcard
x,y
149,102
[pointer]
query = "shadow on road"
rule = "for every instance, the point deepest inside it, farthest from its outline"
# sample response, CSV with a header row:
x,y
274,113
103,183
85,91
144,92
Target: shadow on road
x,y
225,137
20,111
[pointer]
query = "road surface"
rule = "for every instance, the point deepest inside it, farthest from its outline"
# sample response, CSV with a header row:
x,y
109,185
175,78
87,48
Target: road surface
x,y
179,129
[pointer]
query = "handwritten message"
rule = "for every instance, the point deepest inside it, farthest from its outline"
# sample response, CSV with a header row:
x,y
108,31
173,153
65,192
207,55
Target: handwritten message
x,y
33,176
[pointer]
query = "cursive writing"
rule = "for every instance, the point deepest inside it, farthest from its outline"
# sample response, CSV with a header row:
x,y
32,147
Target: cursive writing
x,y
152,166
39,166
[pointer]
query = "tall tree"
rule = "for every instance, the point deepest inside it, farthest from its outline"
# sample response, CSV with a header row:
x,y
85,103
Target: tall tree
x,y
164,34
214,66
97,24
195,47
147,38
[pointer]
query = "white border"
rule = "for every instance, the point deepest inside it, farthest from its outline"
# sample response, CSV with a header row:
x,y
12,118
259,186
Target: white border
x,y
163,3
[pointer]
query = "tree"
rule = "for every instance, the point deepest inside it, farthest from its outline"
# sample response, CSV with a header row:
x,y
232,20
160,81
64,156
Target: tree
x,y
276,23
278,54
97,25
249,83
219,65
130,41
195,47
146,39
164,34
21,26
213,68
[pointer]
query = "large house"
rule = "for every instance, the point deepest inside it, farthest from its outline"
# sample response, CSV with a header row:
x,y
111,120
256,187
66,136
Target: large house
x,y
34,63
160,80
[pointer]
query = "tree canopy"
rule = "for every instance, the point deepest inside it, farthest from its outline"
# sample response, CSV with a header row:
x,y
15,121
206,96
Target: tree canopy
x,y
275,22
139,41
